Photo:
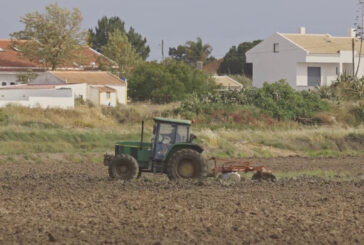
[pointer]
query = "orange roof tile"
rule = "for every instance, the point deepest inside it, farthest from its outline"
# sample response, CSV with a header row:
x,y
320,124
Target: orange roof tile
x,y
10,59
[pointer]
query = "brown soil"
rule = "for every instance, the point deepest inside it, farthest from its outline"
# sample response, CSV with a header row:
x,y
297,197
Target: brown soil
x,y
76,203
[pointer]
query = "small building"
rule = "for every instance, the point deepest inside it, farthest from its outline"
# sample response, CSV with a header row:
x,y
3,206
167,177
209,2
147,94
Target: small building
x,y
102,88
227,83
304,60
37,96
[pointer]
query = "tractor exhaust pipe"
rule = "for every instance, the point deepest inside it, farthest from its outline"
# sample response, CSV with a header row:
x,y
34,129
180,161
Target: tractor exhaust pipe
x,y
142,136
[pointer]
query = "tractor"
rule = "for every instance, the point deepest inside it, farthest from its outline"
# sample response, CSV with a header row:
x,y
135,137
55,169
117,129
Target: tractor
x,y
171,151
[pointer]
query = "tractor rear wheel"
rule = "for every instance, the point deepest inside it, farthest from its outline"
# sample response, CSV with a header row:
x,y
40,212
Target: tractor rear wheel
x,y
123,167
186,164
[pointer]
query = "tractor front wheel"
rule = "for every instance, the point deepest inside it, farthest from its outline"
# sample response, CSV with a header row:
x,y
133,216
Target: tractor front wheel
x,y
123,167
186,164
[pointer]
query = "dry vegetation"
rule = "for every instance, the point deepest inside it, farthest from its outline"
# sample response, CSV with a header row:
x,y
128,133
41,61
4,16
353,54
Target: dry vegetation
x,y
94,129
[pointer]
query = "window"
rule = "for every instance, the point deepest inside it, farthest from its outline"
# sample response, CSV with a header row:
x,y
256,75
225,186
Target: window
x,y
12,83
276,48
3,84
108,95
313,76
182,133
166,137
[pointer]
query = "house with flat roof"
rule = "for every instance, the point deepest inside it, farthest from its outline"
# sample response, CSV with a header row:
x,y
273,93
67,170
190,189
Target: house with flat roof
x,y
305,60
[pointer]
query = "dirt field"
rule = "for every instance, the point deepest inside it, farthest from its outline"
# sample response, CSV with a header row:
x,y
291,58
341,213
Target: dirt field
x,y
73,203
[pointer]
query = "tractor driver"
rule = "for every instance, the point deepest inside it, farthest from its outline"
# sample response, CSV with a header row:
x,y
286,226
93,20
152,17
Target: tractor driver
x,y
164,142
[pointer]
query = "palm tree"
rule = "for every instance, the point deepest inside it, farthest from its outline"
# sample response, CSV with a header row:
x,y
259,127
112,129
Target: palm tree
x,y
197,51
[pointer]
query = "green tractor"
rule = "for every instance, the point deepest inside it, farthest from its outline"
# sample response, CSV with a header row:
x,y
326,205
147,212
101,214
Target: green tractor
x,y
171,151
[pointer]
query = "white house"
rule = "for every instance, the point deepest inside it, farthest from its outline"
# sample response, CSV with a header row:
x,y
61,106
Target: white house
x,y
37,96
102,88
304,60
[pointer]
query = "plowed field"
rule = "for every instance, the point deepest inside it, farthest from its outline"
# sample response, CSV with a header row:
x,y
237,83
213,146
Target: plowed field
x,y
73,203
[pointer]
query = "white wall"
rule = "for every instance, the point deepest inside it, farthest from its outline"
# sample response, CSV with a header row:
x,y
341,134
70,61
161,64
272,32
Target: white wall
x,y
79,90
93,95
328,73
121,93
7,77
271,67
43,102
108,102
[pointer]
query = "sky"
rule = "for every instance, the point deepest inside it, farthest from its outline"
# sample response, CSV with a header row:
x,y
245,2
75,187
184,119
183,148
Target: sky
x,y
221,23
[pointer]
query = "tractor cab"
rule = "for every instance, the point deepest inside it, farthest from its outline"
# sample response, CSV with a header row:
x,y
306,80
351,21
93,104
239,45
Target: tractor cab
x,y
166,133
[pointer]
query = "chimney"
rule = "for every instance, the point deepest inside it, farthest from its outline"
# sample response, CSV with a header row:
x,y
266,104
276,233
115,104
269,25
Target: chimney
x,y
302,30
351,32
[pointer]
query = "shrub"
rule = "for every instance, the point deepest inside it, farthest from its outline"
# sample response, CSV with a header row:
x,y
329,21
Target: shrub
x,y
345,88
167,82
278,100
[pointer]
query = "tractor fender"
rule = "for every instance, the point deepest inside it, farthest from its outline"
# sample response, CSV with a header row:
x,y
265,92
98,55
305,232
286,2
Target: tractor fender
x,y
180,146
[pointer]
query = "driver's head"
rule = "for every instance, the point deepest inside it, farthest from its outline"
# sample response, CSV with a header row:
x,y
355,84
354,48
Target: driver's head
x,y
166,140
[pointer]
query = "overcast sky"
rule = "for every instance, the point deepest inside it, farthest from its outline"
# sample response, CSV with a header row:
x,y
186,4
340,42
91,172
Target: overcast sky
x,y
222,23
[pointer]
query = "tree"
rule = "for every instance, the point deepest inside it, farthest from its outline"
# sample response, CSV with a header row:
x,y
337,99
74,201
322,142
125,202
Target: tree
x,y
121,51
53,37
99,37
235,60
167,82
26,77
192,52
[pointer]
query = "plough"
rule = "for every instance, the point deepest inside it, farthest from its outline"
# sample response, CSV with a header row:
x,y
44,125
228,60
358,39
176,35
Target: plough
x,y
235,166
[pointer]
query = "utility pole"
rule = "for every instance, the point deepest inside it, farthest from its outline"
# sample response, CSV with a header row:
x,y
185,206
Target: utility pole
x,y
353,51
163,50
359,34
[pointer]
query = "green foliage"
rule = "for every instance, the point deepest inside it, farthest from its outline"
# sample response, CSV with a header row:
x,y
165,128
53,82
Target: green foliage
x,y
26,77
284,103
278,100
56,35
122,52
235,60
192,52
100,36
167,82
345,88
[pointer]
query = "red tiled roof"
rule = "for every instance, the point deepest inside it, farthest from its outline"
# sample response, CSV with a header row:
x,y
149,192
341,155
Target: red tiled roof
x,y
12,60
212,67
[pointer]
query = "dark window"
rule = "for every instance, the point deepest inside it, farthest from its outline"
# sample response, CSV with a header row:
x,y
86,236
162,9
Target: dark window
x,y
12,83
313,76
276,48
3,84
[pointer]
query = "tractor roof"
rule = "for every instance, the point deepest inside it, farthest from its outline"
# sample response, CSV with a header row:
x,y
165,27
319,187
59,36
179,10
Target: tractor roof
x,y
170,120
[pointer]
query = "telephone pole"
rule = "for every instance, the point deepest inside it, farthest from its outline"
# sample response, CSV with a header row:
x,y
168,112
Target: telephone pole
x,y
162,50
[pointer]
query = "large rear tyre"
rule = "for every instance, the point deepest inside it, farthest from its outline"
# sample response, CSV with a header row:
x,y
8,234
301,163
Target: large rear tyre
x,y
123,167
186,164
